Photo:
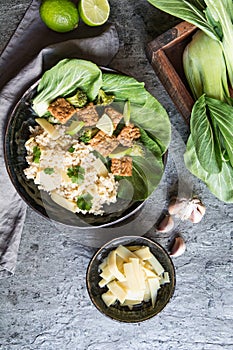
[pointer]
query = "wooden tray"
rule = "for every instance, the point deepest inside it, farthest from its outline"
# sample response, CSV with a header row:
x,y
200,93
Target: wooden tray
x,y
165,55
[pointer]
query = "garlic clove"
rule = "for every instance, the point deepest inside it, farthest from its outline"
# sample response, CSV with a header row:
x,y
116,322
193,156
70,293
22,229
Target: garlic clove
x,y
197,213
196,200
195,216
178,247
166,224
201,208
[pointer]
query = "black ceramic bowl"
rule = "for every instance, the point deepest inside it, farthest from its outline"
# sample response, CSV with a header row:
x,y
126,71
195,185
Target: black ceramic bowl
x,y
140,312
17,133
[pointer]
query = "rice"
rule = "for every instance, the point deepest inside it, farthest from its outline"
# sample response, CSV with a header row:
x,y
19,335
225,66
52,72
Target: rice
x,y
56,157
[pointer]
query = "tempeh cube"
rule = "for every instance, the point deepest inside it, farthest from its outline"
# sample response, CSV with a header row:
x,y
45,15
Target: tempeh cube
x,y
128,134
103,143
122,166
88,114
61,109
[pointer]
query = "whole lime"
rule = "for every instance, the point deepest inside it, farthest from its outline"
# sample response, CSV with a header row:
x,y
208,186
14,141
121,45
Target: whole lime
x,y
59,15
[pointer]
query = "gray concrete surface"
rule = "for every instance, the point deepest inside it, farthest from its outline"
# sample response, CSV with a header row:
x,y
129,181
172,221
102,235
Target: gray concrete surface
x,y
45,305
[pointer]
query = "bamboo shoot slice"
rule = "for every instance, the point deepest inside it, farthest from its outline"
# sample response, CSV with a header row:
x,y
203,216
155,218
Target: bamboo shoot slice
x,y
154,287
63,202
112,265
125,253
143,253
117,290
107,274
156,265
108,298
51,130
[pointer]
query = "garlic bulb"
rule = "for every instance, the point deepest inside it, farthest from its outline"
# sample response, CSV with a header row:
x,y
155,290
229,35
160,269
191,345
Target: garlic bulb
x,y
187,209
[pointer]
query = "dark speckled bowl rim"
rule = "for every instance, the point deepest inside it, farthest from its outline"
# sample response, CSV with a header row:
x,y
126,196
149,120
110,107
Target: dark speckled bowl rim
x,y
110,245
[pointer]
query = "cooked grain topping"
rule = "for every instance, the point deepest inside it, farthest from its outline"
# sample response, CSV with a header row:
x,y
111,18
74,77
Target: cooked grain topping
x,y
122,166
88,114
114,116
61,109
103,143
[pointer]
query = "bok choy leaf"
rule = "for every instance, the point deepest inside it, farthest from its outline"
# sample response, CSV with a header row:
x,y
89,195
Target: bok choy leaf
x,y
204,67
191,11
211,119
63,79
221,11
208,66
221,184
222,114
205,137
213,17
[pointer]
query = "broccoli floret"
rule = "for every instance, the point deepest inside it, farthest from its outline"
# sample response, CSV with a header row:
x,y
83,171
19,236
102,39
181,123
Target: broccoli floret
x,y
103,99
79,99
87,135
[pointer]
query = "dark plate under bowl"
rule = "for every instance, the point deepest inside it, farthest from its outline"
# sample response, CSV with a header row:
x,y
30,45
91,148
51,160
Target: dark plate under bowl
x,y
17,133
140,312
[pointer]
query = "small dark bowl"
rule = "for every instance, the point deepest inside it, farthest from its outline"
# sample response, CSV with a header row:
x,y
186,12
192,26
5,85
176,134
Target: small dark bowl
x,y
141,312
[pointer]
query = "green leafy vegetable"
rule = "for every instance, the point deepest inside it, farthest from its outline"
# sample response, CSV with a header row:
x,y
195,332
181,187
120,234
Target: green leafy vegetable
x,y
221,184
191,11
124,88
147,173
208,66
221,117
63,79
213,17
49,171
79,99
221,11
36,154
153,118
205,68
222,114
205,137
85,202
147,113
150,144
76,173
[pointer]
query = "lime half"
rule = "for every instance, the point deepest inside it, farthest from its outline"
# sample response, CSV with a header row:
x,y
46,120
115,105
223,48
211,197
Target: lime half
x,y
59,15
94,12
105,124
